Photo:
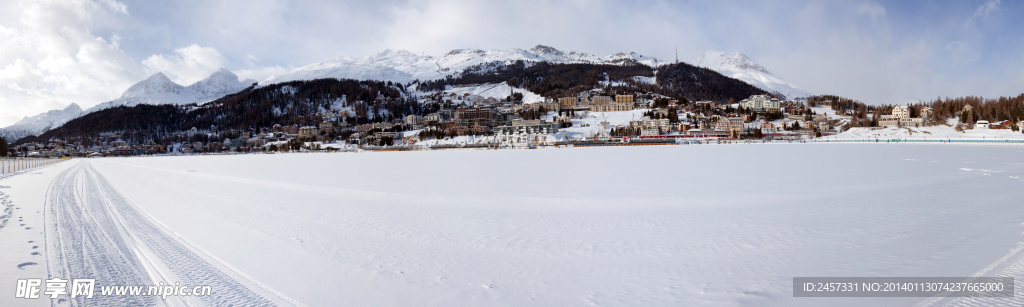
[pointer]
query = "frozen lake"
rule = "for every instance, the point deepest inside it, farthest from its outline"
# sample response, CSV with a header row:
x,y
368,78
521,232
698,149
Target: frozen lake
x,y
718,225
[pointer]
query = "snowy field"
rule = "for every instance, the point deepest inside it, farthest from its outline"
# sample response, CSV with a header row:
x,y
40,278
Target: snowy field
x,y
939,132
494,90
707,225
586,126
936,132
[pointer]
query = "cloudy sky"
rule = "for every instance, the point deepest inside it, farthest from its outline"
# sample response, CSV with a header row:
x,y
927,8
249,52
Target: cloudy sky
x,y
54,52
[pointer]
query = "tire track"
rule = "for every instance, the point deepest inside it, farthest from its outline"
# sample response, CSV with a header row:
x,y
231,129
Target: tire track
x,y
93,231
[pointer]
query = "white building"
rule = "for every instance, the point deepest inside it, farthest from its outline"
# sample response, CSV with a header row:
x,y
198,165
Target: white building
x,y
900,117
432,118
731,123
519,127
761,103
413,120
901,111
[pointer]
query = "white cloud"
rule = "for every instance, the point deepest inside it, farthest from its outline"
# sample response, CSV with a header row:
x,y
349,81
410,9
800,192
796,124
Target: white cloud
x,y
260,73
872,9
961,52
50,58
115,5
256,71
187,65
983,12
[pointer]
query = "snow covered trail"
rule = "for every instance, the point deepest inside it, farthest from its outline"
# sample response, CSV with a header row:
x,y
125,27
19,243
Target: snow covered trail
x,y
21,235
92,231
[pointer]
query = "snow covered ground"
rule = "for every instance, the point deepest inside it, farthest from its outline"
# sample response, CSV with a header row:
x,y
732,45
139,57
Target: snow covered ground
x,y
696,225
589,125
939,132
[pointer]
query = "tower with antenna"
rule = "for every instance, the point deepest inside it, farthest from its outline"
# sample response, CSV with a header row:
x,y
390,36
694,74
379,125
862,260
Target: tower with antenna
x,y
677,53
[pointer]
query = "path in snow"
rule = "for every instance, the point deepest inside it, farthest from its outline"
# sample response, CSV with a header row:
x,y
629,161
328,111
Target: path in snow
x,y
1012,265
6,208
92,231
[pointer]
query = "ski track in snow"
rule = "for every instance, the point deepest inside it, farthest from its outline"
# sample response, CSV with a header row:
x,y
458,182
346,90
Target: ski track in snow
x,y
7,208
1012,265
92,231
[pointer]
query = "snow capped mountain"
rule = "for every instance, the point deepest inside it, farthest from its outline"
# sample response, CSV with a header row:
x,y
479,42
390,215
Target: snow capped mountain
x,y
738,66
40,123
158,89
404,66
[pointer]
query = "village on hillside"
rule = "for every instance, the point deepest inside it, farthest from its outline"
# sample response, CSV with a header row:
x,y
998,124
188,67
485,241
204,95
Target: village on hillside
x,y
465,120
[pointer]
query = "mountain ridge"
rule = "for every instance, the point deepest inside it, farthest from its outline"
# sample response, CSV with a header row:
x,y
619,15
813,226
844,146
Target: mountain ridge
x,y
33,125
739,66
159,89
404,66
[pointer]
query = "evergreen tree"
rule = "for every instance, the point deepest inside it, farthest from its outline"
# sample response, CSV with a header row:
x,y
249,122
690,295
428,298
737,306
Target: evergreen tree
x,y
673,116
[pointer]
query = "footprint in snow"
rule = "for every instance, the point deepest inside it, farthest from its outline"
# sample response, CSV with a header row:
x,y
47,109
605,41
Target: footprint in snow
x,y
23,265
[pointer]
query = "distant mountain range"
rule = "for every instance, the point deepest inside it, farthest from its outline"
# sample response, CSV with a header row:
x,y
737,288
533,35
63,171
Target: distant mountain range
x,y
157,89
404,66
40,123
397,66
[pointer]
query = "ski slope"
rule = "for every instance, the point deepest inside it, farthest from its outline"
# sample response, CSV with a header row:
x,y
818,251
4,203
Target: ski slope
x,y
690,225
496,90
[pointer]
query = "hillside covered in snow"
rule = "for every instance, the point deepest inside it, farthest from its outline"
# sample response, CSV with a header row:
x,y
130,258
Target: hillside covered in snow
x,y
404,66
739,66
